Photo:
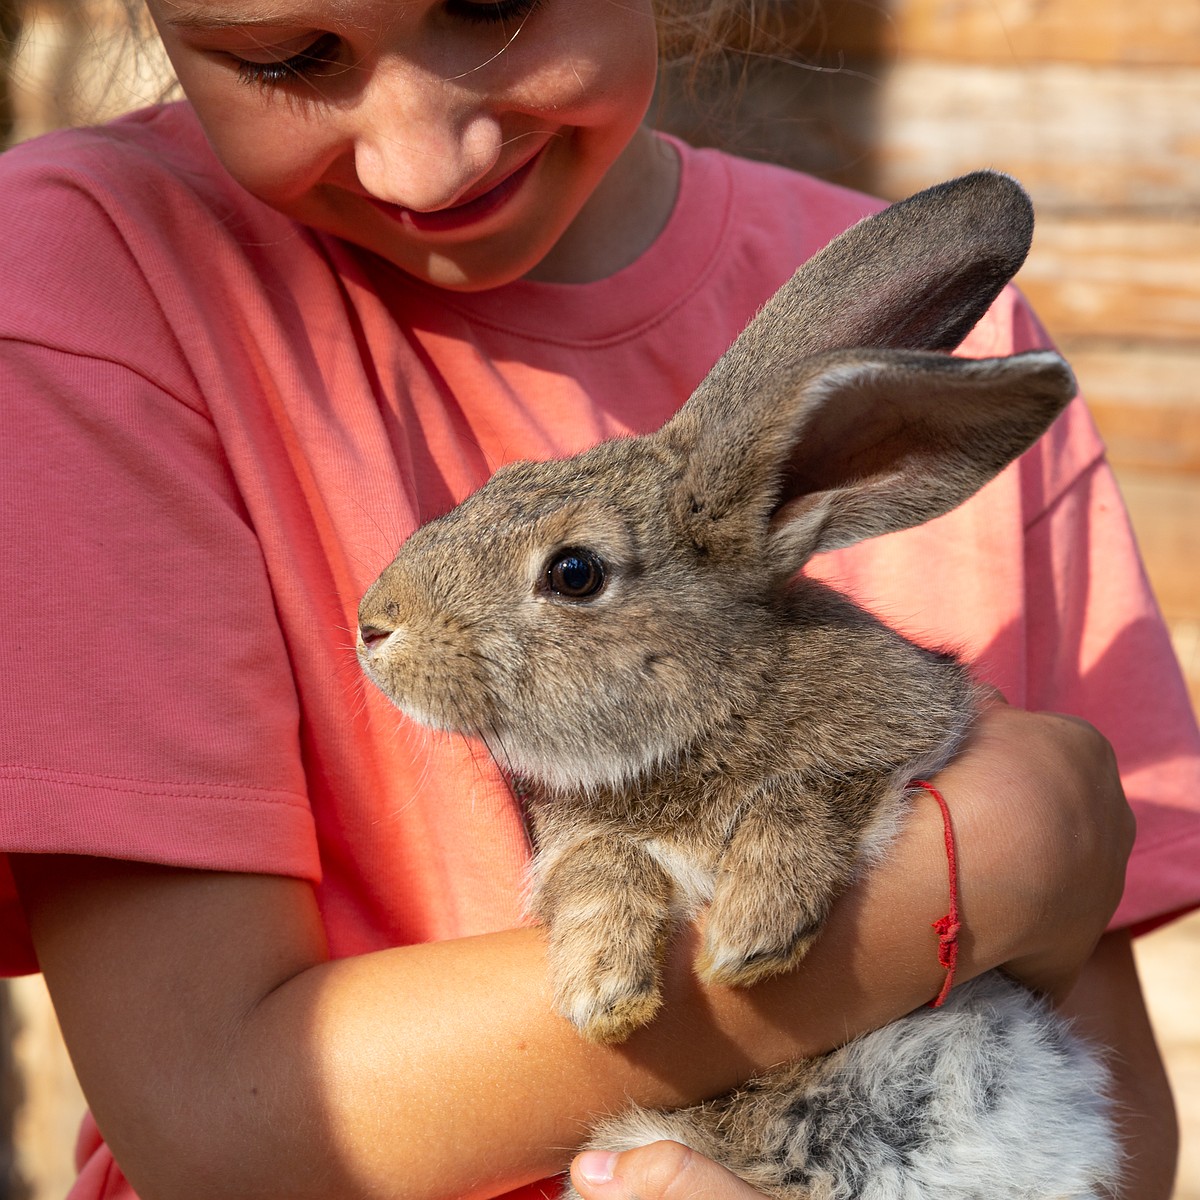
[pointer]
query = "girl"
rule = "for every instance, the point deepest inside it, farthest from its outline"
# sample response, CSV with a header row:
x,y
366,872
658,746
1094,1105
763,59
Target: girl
x,y
252,340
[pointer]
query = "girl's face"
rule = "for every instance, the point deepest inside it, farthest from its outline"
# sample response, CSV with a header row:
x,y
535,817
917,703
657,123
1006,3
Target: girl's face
x,y
469,142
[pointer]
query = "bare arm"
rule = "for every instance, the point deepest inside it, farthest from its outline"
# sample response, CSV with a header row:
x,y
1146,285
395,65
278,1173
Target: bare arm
x,y
224,1055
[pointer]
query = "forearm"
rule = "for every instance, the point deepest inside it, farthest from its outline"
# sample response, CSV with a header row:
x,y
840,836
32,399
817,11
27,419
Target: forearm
x,y
253,1068
407,1049
223,1055
440,1070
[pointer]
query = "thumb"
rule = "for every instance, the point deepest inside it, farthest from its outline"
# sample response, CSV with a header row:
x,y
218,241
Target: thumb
x,y
659,1171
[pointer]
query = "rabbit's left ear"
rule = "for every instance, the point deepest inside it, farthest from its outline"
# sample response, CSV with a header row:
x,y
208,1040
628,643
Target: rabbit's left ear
x,y
869,442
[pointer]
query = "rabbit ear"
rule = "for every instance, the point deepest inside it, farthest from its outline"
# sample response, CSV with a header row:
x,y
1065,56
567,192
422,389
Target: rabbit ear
x,y
876,441
917,275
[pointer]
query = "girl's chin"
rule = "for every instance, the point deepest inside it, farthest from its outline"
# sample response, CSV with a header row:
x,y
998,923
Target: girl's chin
x,y
464,272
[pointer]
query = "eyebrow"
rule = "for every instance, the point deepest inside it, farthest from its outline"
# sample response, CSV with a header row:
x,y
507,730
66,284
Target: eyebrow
x,y
181,15
186,18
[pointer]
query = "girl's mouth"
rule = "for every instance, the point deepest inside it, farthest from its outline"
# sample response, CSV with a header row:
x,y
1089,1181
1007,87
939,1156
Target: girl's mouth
x,y
459,216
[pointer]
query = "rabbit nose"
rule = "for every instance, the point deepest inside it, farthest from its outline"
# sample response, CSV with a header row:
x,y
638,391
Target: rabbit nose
x,y
372,635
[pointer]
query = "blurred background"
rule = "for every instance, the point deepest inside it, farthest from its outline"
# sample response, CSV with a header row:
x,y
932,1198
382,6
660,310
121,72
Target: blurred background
x,y
1093,104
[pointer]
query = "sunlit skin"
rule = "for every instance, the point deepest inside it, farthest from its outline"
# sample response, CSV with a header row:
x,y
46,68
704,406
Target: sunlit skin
x,y
468,143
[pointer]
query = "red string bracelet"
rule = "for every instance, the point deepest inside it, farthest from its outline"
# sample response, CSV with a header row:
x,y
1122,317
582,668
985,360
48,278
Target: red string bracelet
x,y
948,926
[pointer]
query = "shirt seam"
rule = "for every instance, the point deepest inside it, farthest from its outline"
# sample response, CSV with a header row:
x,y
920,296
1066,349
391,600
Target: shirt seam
x,y
149,787
197,406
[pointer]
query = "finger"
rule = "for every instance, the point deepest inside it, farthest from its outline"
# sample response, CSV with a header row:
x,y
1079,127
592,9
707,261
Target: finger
x,y
659,1171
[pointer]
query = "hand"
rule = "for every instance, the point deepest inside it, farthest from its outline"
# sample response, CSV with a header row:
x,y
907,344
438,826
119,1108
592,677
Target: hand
x,y
1054,834
659,1171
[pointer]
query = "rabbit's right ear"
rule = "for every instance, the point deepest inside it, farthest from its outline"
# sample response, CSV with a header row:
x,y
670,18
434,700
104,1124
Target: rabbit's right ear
x,y
915,276
870,442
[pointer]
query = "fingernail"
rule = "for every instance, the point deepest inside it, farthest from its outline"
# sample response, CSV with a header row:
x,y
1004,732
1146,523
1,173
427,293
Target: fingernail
x,y
596,1166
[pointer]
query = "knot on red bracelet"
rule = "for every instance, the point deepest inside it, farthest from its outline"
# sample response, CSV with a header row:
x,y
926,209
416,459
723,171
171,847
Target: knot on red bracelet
x,y
947,930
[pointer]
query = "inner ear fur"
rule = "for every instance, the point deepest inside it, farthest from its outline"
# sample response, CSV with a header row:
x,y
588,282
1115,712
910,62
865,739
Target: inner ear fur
x,y
885,440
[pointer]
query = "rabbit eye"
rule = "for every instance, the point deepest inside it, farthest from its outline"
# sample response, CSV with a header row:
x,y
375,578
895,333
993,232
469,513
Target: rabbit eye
x,y
575,574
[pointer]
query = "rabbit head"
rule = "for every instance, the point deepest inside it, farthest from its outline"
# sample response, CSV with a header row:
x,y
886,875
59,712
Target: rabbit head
x,y
590,617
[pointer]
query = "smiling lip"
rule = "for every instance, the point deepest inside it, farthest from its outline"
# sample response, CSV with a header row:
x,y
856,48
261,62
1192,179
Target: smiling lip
x,y
459,216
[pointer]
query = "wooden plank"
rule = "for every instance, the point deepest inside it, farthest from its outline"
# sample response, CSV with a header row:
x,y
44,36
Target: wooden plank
x,y
1168,962
1006,31
1119,277
47,1120
1146,400
83,61
1079,137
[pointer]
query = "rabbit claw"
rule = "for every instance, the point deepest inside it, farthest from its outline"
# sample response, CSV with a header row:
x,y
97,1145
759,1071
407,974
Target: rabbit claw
x,y
728,966
605,989
743,945
609,1010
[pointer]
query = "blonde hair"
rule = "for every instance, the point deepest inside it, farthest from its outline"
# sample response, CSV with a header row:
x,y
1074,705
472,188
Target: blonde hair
x,y
704,47
695,32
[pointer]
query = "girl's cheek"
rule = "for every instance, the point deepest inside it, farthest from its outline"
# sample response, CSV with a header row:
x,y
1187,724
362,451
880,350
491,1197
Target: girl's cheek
x,y
615,76
269,147
279,167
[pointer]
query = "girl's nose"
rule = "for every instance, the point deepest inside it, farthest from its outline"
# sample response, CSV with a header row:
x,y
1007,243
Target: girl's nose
x,y
422,141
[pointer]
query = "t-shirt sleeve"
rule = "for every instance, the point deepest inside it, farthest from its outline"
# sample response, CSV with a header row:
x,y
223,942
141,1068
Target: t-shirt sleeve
x,y
1097,647
151,714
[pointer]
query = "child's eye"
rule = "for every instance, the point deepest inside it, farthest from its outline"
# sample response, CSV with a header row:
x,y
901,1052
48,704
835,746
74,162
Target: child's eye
x,y
316,57
491,11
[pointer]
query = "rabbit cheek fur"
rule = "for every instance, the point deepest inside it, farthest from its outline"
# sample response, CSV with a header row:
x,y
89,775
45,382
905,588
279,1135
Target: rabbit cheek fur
x,y
704,730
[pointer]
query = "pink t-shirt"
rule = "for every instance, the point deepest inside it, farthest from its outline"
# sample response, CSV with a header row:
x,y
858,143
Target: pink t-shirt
x,y
219,425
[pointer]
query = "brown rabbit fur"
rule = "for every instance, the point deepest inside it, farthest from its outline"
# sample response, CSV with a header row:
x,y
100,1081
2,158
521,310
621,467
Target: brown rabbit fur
x,y
693,723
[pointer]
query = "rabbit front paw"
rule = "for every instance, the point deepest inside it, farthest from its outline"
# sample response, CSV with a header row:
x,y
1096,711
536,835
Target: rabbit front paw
x,y
773,891
743,945
606,905
608,994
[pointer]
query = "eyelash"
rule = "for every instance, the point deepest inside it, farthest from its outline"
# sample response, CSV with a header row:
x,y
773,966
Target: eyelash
x,y
310,61
493,12
320,55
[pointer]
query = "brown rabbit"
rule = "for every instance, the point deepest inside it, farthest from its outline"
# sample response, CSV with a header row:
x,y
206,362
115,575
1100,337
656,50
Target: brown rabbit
x,y
697,726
